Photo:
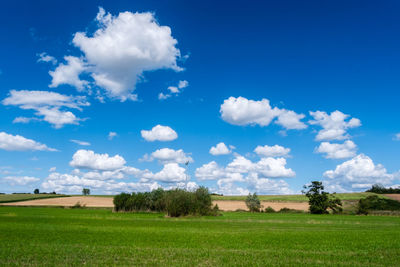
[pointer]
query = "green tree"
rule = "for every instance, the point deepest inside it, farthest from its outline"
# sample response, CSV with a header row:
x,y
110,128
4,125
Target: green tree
x,y
36,191
86,191
253,203
320,201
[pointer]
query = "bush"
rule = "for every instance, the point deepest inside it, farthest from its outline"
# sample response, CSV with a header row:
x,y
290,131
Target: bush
x,y
36,191
320,201
373,203
179,202
121,202
287,210
269,210
253,203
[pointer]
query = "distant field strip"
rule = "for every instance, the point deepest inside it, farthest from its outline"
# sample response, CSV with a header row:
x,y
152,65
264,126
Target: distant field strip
x,y
7,198
34,236
107,202
295,198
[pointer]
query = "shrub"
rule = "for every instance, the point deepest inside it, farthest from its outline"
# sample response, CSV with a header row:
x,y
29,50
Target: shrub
x,y
121,202
287,210
202,201
373,203
179,202
78,205
36,191
269,210
320,201
253,203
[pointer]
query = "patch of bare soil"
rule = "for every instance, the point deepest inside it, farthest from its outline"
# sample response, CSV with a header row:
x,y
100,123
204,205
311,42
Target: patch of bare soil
x,y
233,205
67,202
107,202
393,196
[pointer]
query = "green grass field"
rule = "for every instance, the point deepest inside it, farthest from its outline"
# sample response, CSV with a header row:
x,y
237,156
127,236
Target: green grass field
x,y
71,237
295,198
6,198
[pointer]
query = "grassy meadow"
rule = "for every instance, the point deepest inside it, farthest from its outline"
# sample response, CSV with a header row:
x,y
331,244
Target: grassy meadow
x,y
35,236
7,198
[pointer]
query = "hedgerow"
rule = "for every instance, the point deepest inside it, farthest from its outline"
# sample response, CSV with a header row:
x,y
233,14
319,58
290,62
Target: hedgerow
x,y
175,203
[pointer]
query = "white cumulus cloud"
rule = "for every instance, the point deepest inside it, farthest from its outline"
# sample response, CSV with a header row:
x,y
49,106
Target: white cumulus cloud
x,y
87,159
168,155
272,151
159,133
220,149
358,173
338,151
118,53
334,125
242,111
19,143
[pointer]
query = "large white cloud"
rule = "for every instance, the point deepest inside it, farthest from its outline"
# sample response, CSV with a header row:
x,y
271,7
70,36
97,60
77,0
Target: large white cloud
x,y
87,159
72,183
159,133
338,151
242,175
242,111
272,151
220,149
119,51
20,180
19,143
358,173
171,173
210,171
49,106
168,155
334,125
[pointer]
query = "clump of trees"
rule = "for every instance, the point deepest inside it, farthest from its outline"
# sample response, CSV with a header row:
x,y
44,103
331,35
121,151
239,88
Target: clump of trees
x,y
373,203
175,203
320,201
253,203
380,189
85,191
36,191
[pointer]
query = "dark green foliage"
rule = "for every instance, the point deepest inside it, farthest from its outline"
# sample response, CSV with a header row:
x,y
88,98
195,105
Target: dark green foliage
x,y
269,210
320,201
85,191
253,203
365,205
121,202
203,201
380,189
287,210
179,202
36,191
175,203
78,205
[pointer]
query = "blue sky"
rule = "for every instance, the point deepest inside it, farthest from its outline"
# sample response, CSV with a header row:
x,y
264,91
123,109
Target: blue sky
x,y
295,92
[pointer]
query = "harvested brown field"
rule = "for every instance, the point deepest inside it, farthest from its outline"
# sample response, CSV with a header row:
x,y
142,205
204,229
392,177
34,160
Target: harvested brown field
x,y
393,196
107,202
